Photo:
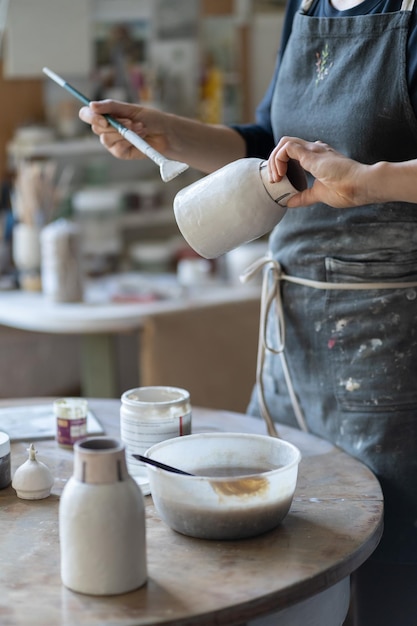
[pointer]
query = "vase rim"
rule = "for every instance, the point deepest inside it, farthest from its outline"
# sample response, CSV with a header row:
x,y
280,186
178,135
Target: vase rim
x,y
97,445
100,460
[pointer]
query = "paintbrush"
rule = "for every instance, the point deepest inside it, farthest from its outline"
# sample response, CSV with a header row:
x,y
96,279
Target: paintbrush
x,y
163,466
168,169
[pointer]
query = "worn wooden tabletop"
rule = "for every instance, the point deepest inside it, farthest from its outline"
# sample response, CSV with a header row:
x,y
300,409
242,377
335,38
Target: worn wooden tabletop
x,y
334,524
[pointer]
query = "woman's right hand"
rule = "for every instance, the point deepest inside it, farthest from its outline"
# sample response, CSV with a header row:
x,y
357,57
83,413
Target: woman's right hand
x,y
205,147
150,124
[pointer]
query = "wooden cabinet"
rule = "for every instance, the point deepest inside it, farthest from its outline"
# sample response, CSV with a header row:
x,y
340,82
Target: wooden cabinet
x,y
21,102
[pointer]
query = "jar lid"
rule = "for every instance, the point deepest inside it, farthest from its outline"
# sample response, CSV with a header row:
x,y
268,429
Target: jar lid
x,y
71,408
4,444
155,395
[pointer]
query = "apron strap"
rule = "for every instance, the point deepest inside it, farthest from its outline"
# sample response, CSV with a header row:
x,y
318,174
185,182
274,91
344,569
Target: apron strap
x,y
407,5
305,5
271,297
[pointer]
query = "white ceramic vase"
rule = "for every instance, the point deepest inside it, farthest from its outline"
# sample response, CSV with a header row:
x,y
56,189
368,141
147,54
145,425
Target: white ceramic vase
x,y
234,205
61,262
26,250
102,522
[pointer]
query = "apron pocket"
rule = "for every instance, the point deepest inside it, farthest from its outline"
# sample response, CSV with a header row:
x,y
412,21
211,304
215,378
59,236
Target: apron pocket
x,y
372,335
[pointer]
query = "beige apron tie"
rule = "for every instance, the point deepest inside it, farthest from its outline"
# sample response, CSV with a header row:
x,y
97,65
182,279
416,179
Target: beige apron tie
x,y
271,297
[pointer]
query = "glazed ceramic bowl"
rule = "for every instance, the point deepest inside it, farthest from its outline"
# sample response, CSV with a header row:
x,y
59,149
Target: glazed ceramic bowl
x,y
243,484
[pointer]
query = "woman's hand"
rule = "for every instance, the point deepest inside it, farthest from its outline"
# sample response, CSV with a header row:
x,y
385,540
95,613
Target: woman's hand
x,y
339,181
205,147
149,124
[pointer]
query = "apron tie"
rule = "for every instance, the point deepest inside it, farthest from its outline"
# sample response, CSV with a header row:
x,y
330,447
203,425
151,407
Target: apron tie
x,y
271,298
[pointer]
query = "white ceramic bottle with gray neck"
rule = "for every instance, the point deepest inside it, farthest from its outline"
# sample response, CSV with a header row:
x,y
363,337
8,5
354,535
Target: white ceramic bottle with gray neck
x,y
234,205
102,522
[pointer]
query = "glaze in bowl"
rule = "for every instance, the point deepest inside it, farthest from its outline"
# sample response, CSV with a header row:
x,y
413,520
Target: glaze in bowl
x,y
243,484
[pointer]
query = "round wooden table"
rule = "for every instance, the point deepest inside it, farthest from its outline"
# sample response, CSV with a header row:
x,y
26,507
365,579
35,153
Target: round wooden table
x,y
333,526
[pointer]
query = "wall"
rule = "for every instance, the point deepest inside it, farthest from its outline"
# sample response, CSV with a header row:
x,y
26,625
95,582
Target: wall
x,y
265,42
37,364
21,103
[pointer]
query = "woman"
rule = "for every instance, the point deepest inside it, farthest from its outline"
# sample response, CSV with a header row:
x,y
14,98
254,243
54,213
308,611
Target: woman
x,y
346,77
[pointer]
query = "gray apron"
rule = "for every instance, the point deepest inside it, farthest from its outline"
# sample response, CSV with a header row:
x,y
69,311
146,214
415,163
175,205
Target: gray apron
x,y
351,354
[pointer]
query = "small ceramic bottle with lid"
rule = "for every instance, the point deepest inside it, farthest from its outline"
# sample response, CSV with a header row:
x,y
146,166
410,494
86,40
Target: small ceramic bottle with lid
x,y
33,480
102,522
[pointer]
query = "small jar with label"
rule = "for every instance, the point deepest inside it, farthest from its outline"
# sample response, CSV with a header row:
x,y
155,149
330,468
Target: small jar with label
x,y
5,472
149,415
71,420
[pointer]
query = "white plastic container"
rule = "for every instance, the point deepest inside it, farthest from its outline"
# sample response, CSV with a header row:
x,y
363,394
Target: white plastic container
x,y
97,211
151,256
238,260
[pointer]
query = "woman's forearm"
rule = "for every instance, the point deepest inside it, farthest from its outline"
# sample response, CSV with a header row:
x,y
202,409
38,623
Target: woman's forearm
x,y
342,182
204,147
393,182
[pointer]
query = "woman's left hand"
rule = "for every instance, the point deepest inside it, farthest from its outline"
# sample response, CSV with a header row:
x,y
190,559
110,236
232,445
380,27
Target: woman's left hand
x,y
339,181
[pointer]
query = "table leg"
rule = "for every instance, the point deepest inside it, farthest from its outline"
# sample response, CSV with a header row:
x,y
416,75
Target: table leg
x,y
98,366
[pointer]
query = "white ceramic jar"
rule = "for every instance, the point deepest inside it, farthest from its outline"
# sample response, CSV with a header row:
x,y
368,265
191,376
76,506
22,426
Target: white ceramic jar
x,y
149,415
61,266
235,204
102,522
26,255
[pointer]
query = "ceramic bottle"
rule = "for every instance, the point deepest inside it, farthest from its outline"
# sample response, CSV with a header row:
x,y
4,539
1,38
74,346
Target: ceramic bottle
x,y
61,261
102,522
234,205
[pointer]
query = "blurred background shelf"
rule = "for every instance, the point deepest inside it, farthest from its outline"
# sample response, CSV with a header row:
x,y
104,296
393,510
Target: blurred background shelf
x,y
179,45
70,147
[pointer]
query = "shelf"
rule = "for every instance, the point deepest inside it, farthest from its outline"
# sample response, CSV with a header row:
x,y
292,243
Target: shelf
x,y
153,217
70,147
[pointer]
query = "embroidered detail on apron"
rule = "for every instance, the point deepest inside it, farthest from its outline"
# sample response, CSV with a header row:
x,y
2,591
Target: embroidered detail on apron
x,y
271,297
323,63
